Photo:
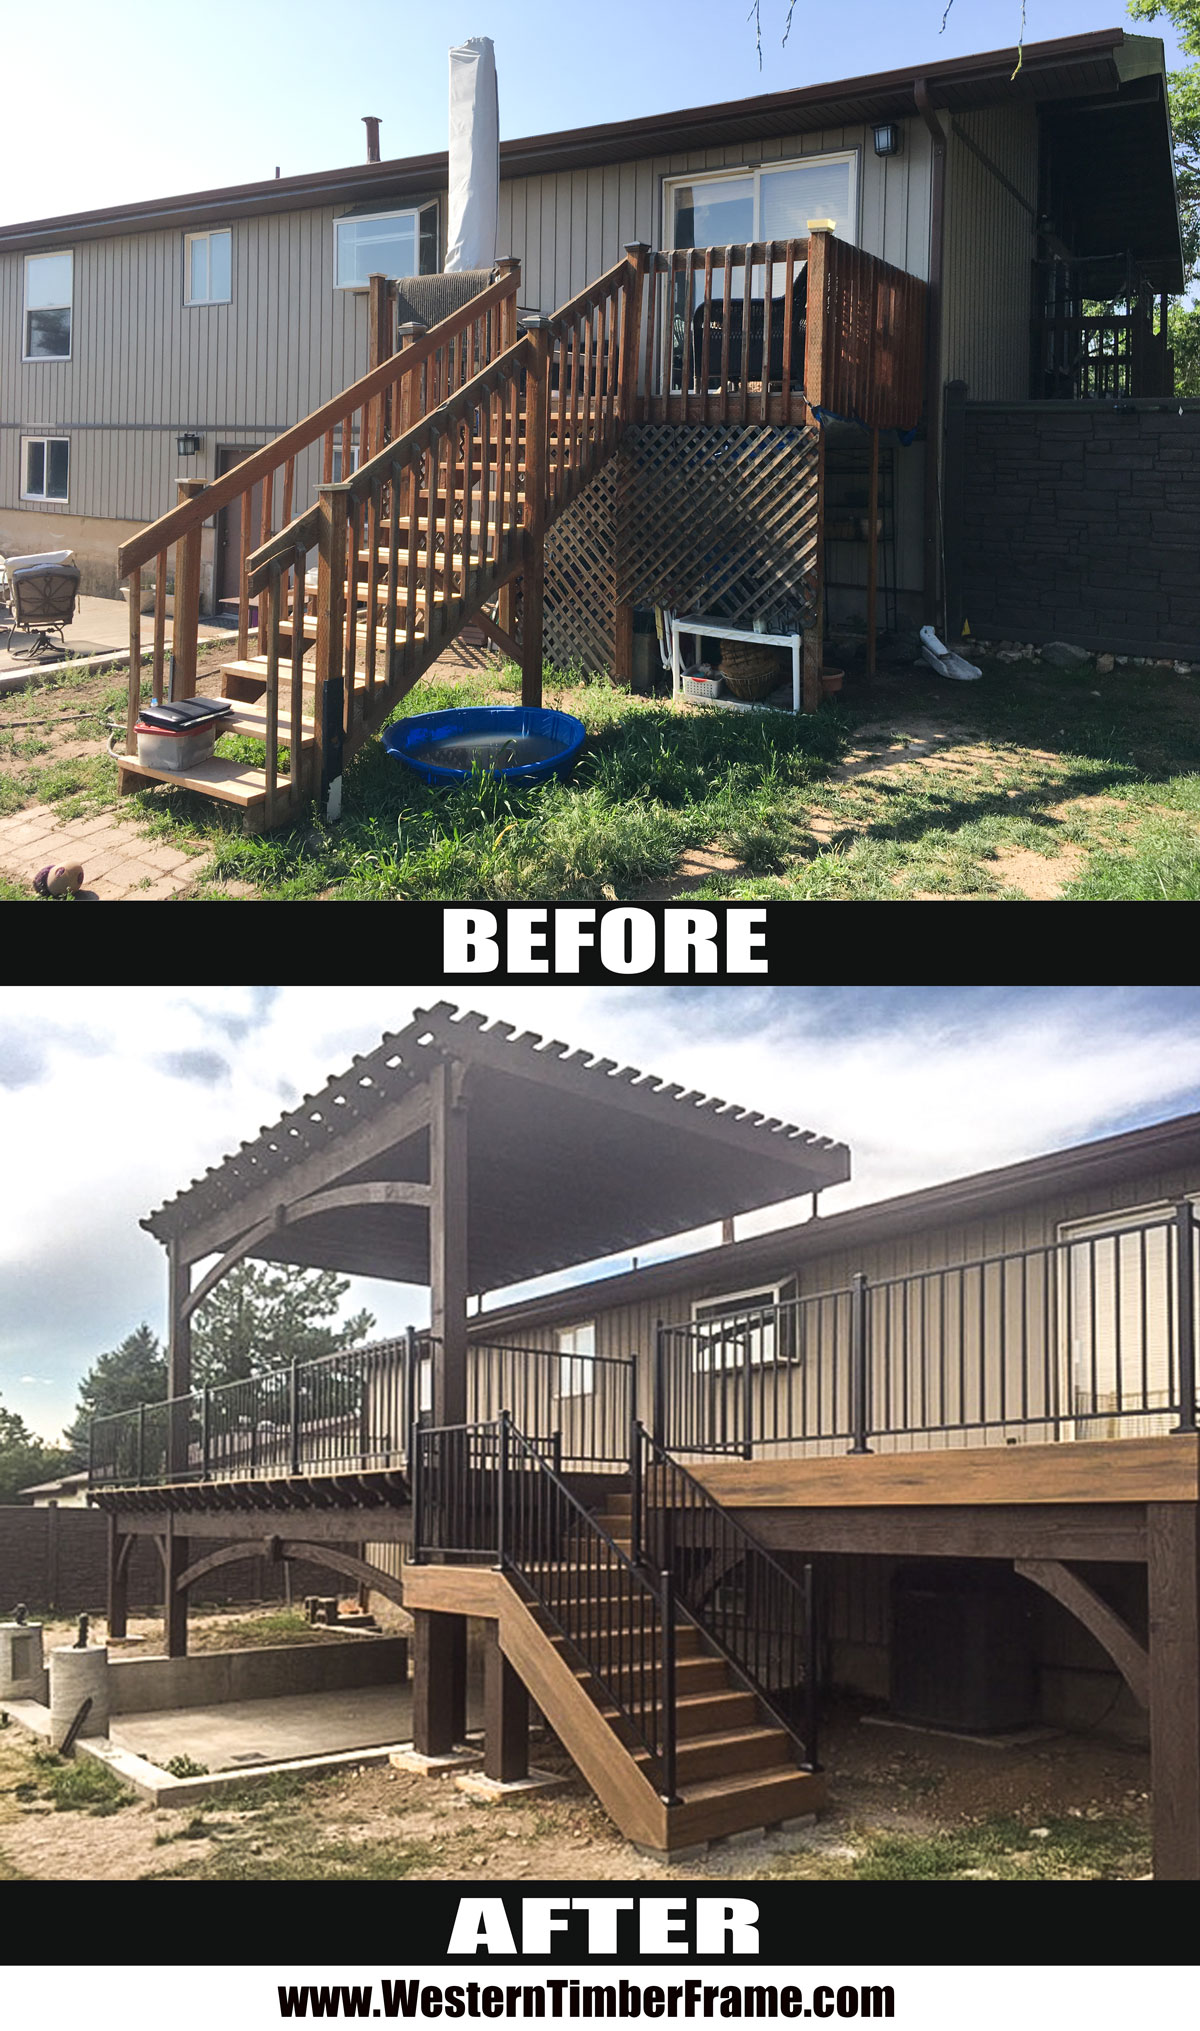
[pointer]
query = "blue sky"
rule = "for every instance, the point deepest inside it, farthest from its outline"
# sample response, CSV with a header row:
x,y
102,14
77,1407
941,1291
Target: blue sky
x,y
150,100
113,1098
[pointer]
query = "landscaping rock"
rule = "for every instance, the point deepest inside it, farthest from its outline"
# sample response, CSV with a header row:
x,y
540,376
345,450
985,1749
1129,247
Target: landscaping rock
x,y
1065,655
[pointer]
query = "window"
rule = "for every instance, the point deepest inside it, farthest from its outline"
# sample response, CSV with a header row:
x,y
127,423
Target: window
x,y
385,243
577,1360
46,465
773,202
48,306
208,267
1117,1322
744,1328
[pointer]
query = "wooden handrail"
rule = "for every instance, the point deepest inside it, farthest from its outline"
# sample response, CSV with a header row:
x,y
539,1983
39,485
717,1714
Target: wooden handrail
x,y
245,475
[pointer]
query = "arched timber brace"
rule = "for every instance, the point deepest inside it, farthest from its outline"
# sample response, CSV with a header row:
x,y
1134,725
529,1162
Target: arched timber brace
x,y
294,1548
1111,1633
396,1192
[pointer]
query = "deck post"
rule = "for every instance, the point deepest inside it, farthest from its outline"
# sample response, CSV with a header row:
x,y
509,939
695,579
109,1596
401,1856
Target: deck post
x,y
1186,1315
859,1406
439,1682
505,1715
118,1578
537,475
1173,1566
448,1247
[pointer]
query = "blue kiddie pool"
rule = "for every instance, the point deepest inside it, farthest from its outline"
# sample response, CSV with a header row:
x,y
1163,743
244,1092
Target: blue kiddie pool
x,y
522,743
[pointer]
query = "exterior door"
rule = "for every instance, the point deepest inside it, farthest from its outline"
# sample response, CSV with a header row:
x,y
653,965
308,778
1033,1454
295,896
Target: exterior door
x,y
229,528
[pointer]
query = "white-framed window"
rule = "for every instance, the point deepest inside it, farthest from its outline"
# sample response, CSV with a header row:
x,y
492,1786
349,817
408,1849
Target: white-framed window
x,y
1117,1320
208,267
48,284
577,1360
45,468
764,201
395,244
744,1328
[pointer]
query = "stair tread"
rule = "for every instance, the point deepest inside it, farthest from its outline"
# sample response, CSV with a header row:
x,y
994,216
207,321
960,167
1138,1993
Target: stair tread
x,y
232,782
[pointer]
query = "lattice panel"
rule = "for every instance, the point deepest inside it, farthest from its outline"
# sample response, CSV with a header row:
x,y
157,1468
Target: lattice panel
x,y
718,519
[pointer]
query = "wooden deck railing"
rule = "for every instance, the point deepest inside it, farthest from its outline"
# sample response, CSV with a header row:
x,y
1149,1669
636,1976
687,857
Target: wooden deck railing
x,y
439,520
844,333
360,419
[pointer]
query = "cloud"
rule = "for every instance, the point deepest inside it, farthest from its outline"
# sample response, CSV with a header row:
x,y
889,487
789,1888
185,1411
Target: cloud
x,y
209,1067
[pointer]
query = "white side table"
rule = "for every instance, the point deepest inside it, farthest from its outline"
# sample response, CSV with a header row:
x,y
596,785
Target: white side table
x,y
700,624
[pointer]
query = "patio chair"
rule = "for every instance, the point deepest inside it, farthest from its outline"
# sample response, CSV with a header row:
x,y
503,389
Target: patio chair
x,y
43,602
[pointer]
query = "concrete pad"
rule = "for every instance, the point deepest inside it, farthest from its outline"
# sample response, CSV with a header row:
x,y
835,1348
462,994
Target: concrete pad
x,y
243,1734
493,1792
410,1759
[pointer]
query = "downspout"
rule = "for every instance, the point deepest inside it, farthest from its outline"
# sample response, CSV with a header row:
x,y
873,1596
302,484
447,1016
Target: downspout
x,y
933,350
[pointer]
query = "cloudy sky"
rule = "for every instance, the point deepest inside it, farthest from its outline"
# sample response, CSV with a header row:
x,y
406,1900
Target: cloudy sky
x,y
113,1098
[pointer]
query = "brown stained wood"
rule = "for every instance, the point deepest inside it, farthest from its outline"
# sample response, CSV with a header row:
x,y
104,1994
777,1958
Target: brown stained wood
x,y
505,1716
1085,1604
439,1656
1173,1564
998,1531
1083,1471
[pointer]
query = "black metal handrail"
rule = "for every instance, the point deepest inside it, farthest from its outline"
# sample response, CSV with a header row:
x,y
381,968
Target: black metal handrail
x,y
1062,1339
353,1411
486,1492
758,1615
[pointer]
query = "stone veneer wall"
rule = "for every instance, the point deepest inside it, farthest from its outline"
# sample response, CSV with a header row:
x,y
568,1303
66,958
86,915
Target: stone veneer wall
x,y
1075,521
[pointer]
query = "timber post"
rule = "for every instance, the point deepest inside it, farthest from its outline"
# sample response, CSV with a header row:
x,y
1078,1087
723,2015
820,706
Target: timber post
x,y
537,475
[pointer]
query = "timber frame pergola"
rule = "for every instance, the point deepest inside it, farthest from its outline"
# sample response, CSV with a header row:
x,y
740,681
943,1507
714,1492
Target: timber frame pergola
x,y
458,1155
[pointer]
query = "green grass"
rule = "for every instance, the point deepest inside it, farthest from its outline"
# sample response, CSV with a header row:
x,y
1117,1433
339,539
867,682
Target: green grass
x,y
1097,777
79,1785
1106,1847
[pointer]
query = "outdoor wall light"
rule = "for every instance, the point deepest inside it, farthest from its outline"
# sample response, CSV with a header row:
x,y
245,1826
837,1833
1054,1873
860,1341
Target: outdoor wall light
x,y
887,138
187,444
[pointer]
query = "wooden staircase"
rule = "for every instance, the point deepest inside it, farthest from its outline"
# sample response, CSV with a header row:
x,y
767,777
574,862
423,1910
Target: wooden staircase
x,y
666,1729
477,440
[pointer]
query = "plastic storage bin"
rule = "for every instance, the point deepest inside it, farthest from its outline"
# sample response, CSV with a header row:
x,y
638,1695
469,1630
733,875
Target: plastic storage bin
x,y
160,749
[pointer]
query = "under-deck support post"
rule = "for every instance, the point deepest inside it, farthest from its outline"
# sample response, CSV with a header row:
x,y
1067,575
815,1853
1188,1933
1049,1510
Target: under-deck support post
x,y
175,1600
1173,1565
118,1579
448,1246
505,1715
537,478
439,1682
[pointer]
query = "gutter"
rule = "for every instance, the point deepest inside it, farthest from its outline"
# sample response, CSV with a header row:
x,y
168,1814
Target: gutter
x,y
933,354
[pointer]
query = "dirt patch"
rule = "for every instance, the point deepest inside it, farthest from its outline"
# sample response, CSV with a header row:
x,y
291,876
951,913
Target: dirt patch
x,y
1040,878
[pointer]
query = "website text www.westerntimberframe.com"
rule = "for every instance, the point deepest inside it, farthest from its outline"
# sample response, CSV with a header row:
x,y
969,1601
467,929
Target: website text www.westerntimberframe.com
x,y
562,1997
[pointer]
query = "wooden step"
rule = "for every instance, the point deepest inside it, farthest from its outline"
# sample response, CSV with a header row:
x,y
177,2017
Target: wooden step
x,y
730,1752
229,782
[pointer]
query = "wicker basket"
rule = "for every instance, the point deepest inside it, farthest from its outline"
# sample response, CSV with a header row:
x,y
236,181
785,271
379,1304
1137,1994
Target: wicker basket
x,y
751,670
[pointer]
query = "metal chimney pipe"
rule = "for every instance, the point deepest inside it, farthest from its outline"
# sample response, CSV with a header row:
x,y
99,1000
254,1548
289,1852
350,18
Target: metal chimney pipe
x,y
371,123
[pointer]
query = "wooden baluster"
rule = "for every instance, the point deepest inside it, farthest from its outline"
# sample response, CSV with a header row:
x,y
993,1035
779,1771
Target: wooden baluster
x,y
264,530
329,681
269,602
133,703
159,665
706,329
186,624
247,544
536,469
372,510
299,787
789,283
350,664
